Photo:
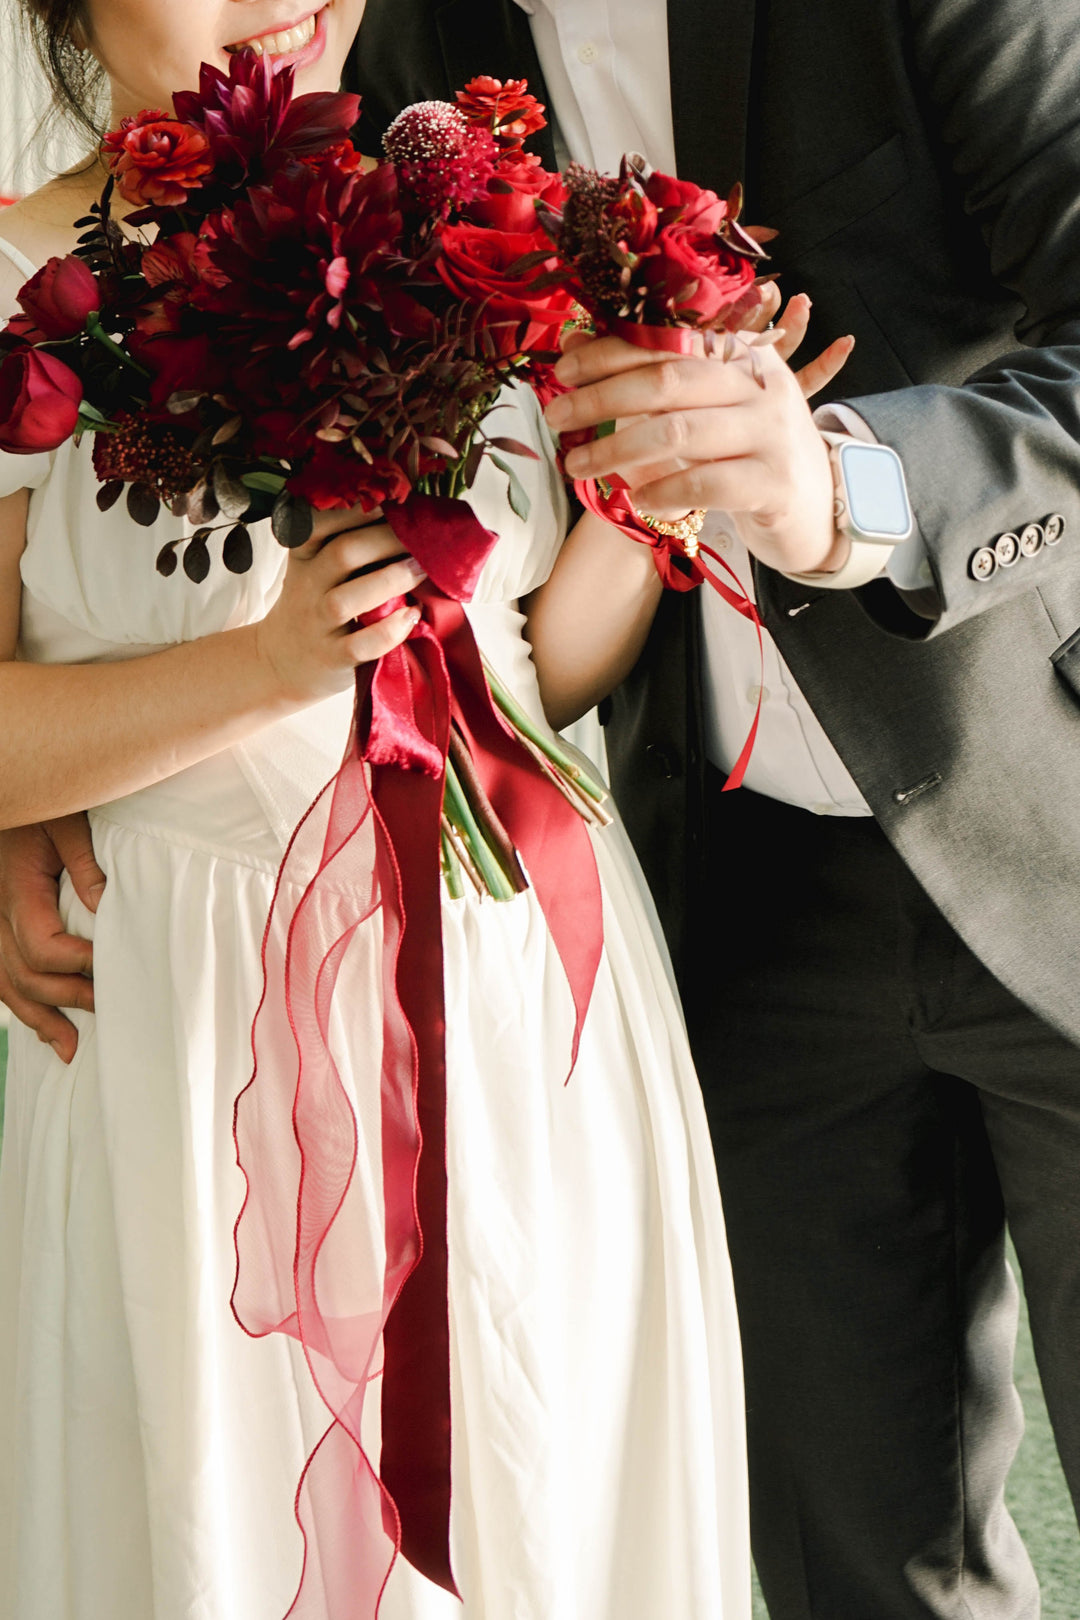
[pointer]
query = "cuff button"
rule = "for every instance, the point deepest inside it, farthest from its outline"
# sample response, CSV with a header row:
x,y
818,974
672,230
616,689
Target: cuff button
x,y
1032,539
983,564
1053,528
1007,548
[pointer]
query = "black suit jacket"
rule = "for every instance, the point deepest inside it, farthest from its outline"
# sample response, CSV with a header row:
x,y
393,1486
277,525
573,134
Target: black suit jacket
x,y
921,160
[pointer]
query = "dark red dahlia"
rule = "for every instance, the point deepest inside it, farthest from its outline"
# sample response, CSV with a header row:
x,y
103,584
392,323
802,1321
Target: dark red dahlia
x,y
251,122
443,162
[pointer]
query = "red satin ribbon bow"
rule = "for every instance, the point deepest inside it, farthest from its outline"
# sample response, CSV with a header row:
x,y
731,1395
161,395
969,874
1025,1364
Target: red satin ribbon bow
x,y
305,1228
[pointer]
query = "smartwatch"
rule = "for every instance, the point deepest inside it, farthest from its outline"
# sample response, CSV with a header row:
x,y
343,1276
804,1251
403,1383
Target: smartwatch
x,y
871,508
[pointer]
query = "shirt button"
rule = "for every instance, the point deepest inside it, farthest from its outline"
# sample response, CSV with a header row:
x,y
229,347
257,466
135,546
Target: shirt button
x,y
723,542
587,53
758,694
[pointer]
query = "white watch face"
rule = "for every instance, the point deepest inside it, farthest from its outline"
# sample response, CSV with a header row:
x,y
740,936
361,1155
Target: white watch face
x,y
877,494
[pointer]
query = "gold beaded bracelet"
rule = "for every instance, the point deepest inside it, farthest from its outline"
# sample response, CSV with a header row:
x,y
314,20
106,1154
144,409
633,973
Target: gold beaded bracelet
x,y
686,530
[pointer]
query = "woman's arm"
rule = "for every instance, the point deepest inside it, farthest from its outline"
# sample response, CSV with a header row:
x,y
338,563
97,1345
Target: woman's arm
x,y
588,622
75,735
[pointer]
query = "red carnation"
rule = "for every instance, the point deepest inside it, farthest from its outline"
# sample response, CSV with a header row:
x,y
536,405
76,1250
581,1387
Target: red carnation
x,y
39,401
157,160
56,301
506,109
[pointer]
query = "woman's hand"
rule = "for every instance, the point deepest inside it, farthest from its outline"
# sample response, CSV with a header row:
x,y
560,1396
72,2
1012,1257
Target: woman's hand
x,y
311,639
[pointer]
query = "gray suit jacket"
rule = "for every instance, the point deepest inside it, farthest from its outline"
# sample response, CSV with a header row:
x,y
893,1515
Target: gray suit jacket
x,y
921,159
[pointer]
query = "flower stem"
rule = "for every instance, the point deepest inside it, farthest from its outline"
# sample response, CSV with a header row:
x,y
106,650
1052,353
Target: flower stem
x,y
460,812
541,740
95,330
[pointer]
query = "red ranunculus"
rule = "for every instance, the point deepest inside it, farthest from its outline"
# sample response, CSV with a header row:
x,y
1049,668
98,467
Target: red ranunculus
x,y
505,108
157,160
56,301
511,198
39,401
480,267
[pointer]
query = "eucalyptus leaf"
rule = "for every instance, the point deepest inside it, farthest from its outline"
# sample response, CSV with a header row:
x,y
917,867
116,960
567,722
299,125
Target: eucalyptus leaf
x,y
197,558
143,505
231,495
237,552
292,521
166,560
108,494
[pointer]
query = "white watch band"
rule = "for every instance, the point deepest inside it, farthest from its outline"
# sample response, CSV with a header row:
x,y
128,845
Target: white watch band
x,y
864,562
866,558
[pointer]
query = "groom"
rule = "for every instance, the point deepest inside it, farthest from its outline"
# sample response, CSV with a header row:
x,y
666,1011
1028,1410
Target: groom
x,y
877,938
878,941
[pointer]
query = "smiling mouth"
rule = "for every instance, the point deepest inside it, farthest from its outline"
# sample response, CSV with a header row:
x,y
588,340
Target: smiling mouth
x,y
285,43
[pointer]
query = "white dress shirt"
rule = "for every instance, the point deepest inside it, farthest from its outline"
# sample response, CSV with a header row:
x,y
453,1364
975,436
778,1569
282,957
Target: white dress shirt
x,y
605,63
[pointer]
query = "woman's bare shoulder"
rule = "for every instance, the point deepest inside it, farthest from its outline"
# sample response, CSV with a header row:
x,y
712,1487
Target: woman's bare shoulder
x,y
43,223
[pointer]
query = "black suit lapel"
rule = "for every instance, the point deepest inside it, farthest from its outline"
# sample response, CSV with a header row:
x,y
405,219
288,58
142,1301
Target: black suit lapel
x,y
493,38
710,47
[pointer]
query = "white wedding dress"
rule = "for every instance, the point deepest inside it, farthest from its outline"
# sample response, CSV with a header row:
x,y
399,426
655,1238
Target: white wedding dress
x,y
149,1449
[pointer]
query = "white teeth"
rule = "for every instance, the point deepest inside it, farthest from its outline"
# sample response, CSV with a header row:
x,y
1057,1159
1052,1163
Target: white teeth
x,y
293,39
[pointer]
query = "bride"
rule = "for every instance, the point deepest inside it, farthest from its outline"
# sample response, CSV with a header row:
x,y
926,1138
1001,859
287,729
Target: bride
x,y
149,1449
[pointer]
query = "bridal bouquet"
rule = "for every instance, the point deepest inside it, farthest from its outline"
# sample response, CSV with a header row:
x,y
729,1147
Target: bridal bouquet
x,y
301,335
278,329
663,264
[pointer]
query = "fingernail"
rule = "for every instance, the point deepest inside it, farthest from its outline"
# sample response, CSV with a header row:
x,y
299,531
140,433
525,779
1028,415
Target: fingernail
x,y
417,570
58,1049
96,892
567,370
415,615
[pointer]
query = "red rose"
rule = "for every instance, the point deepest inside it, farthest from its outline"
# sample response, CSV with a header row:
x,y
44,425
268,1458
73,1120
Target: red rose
x,y
39,401
510,202
177,363
696,206
694,276
57,301
157,160
336,478
480,267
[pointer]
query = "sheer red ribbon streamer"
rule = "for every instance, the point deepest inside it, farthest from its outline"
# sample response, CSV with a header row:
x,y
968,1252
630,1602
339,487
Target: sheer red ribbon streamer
x,y
680,572
368,851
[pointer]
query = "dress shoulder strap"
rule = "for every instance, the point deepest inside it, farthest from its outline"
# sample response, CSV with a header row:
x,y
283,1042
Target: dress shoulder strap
x,y
10,252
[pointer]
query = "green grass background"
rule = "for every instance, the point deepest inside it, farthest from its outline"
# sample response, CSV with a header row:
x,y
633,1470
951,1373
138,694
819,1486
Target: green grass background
x,y
1037,1495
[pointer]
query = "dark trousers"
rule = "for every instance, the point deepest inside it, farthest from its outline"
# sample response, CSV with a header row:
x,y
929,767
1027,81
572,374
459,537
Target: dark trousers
x,y
880,1105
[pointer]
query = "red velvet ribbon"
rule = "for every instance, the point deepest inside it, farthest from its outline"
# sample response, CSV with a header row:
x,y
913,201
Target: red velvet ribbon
x,y
371,843
680,572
